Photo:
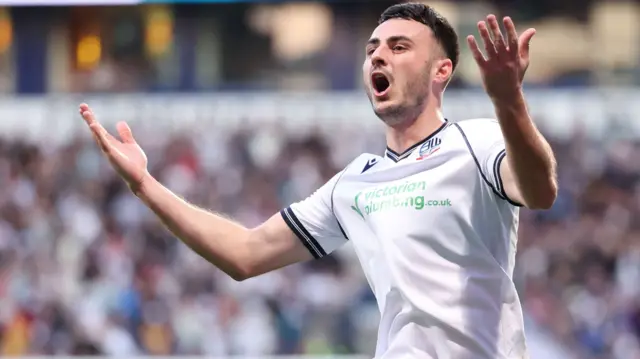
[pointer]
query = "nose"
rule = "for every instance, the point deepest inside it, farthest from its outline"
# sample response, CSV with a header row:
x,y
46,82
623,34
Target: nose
x,y
378,58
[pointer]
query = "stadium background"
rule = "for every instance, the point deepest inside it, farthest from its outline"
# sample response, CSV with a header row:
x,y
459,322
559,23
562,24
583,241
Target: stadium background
x,y
246,107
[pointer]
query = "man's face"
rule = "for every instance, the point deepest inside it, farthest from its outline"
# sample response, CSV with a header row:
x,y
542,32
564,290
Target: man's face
x,y
397,69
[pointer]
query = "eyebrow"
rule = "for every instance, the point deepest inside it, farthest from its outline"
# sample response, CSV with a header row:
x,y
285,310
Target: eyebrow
x,y
397,38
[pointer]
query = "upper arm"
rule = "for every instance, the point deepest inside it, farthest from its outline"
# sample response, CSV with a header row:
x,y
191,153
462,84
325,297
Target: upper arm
x,y
302,231
487,145
275,245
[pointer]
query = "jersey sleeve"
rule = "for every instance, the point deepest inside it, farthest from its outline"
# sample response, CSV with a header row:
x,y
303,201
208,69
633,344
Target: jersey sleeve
x,y
314,222
486,143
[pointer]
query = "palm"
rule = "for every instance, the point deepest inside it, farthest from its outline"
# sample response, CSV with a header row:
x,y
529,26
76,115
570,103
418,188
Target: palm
x,y
125,155
128,159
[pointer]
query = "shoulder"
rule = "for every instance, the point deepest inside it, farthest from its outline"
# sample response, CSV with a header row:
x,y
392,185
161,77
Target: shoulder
x,y
479,130
362,163
478,125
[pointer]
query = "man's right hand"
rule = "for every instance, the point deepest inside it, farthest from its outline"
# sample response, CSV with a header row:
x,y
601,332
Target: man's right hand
x,y
238,251
125,155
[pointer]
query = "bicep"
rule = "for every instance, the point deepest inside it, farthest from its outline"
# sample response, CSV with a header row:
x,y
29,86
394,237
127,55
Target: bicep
x,y
276,246
305,230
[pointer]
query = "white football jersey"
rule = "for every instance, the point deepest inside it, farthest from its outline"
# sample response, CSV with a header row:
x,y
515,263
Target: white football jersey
x,y
436,236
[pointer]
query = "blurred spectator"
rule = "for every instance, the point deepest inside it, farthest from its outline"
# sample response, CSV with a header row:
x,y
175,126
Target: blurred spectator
x,y
85,268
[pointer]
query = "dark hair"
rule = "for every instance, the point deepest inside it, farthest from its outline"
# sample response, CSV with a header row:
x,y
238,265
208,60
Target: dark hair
x,y
443,31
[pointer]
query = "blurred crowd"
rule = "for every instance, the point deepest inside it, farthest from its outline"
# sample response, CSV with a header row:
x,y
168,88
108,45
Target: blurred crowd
x,y
85,268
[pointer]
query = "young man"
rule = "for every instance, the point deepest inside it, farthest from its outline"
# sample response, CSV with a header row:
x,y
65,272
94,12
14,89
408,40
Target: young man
x,y
433,221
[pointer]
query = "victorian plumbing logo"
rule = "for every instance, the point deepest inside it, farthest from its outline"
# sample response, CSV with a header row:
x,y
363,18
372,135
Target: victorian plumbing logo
x,y
391,197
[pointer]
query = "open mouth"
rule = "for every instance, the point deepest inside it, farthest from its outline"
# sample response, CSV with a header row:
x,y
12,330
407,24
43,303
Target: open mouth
x,y
380,83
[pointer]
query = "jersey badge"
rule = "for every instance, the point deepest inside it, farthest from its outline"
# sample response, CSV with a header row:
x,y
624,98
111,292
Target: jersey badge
x,y
429,148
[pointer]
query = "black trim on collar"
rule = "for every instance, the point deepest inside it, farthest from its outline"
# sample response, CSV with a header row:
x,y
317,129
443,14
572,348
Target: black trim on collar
x,y
396,157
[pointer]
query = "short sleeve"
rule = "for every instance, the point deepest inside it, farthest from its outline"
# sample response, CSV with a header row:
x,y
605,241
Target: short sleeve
x,y
486,142
314,221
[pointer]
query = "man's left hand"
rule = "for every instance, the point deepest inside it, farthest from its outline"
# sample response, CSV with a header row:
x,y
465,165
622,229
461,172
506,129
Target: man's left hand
x,y
506,62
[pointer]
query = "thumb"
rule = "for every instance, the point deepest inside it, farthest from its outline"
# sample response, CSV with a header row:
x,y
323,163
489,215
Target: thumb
x,y
125,132
524,42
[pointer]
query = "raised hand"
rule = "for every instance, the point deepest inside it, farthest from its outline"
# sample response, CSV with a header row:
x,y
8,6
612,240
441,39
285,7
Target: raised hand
x,y
506,61
125,155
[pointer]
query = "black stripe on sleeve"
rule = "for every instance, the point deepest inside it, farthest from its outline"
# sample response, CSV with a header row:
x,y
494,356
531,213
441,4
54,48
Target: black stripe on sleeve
x,y
498,177
496,172
475,159
305,237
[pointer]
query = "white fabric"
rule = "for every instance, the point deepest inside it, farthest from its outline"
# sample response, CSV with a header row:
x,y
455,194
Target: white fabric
x,y
436,239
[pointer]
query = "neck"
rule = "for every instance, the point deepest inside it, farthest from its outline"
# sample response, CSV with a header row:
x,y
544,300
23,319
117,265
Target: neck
x,y
404,135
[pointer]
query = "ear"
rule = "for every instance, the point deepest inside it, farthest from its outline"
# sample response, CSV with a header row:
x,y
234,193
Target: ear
x,y
443,70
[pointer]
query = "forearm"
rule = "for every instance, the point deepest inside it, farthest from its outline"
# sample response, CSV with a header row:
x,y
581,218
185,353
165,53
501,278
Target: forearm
x,y
220,241
529,155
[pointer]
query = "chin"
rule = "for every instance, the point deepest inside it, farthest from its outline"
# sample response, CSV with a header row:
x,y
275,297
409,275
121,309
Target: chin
x,y
384,108
396,113
389,112
384,104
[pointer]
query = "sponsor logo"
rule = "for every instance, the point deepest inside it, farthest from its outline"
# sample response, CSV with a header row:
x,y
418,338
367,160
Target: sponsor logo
x,y
391,197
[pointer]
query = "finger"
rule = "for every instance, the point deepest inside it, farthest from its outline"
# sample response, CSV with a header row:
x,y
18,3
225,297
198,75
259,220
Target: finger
x,y
512,35
475,50
496,34
524,41
90,118
486,38
87,114
105,133
125,132
100,135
